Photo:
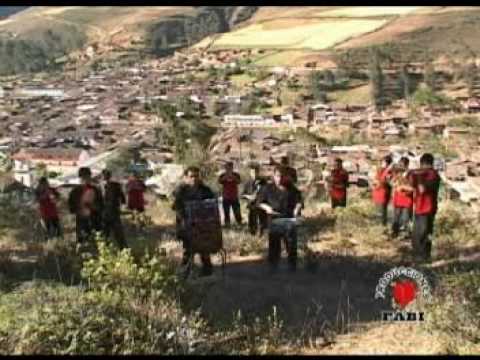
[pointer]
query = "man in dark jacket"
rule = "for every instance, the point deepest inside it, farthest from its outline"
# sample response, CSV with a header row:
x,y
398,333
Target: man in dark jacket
x,y
86,202
281,202
114,198
192,189
257,218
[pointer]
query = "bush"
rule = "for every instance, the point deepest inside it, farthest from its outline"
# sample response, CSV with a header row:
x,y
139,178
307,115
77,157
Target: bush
x,y
62,320
126,308
454,314
427,97
117,272
465,121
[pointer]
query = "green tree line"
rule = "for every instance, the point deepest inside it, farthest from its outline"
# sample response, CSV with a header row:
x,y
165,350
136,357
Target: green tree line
x,y
39,51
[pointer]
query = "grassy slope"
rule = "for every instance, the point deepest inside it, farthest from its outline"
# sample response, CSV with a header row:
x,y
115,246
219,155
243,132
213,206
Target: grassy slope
x,y
101,20
449,30
357,259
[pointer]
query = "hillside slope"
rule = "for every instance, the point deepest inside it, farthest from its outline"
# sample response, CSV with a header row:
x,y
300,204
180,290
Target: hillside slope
x,y
34,39
305,33
9,10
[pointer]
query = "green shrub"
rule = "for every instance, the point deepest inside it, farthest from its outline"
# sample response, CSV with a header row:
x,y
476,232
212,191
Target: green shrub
x,y
118,272
464,121
455,313
67,320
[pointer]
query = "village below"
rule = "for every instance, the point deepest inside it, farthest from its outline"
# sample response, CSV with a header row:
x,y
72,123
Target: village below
x,y
212,103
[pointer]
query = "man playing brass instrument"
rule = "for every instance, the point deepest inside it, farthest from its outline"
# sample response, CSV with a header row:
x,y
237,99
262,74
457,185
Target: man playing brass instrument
x,y
402,197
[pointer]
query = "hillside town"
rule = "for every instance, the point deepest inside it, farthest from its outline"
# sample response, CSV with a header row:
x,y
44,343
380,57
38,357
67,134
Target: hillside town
x,y
65,122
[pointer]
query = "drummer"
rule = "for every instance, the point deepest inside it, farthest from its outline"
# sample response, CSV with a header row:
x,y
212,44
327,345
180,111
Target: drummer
x,y
281,200
191,189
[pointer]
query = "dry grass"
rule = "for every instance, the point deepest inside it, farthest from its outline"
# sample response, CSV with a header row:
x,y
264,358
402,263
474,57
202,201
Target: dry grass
x,y
349,241
316,35
367,11
358,95
386,339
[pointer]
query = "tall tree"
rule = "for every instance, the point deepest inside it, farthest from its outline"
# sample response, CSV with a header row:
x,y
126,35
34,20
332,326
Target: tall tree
x,y
406,83
377,80
317,87
430,76
470,76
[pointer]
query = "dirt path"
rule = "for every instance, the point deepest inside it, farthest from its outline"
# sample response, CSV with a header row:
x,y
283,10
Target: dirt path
x,y
340,291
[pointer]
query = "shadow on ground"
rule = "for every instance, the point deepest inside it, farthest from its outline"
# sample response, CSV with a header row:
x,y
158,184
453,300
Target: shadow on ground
x,y
340,291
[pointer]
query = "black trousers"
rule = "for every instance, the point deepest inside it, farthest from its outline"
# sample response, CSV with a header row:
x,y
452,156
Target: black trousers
x,y
401,219
187,248
277,232
85,226
235,205
383,213
53,228
339,202
113,225
422,231
257,220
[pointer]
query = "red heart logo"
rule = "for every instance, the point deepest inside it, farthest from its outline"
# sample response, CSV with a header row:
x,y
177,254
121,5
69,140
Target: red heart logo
x,y
404,292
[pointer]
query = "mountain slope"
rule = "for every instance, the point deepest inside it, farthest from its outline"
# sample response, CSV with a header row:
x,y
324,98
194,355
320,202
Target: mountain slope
x,y
34,39
311,33
10,10
50,33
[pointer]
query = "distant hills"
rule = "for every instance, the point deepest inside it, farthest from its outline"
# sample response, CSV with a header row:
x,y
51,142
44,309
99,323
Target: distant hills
x,y
34,39
9,10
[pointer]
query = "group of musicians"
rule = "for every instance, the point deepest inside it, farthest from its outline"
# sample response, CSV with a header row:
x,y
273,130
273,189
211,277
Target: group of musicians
x,y
270,202
413,194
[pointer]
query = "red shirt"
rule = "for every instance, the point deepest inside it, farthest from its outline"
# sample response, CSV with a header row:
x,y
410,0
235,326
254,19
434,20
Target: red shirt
x,y
381,193
338,190
47,205
426,202
136,189
230,186
403,199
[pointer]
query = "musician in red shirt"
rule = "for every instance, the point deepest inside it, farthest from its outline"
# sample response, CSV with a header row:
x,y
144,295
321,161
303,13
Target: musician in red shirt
x,y
47,197
338,184
230,181
136,189
381,188
402,197
426,182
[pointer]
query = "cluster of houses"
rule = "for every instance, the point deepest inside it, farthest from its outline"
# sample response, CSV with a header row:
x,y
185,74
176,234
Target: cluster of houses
x,y
394,123
64,123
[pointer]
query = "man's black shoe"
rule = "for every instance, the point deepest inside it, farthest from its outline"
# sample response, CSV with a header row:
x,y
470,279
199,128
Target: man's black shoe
x,y
292,267
206,271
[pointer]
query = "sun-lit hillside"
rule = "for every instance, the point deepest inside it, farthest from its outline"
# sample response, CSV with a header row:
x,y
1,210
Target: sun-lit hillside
x,y
284,34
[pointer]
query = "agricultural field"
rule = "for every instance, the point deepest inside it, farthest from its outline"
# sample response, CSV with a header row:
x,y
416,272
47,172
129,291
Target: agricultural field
x,y
241,80
357,95
285,34
295,58
368,11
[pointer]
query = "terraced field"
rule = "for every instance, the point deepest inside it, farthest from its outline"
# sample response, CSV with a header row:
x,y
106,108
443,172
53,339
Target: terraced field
x,y
282,34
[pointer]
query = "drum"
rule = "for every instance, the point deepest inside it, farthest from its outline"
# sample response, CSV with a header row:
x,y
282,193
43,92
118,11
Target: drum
x,y
203,226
